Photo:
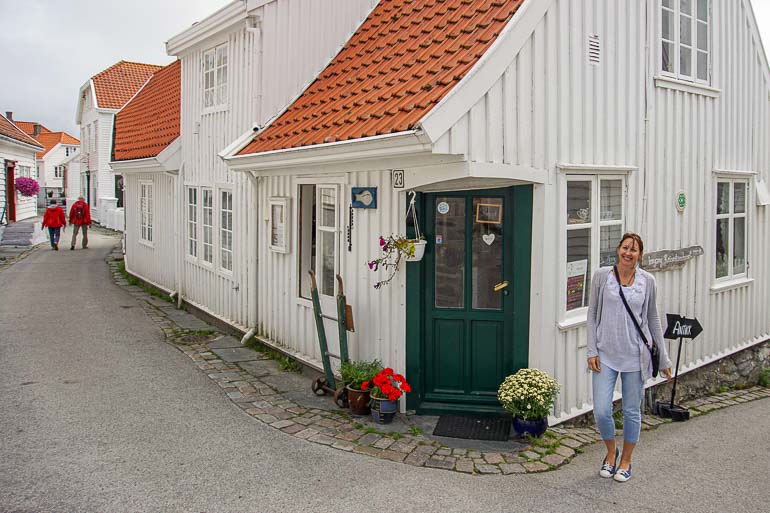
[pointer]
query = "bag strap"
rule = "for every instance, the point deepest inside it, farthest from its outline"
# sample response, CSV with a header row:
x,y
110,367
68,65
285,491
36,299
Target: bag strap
x,y
628,308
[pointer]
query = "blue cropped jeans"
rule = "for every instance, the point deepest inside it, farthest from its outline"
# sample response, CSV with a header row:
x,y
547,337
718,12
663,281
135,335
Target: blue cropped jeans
x,y
603,384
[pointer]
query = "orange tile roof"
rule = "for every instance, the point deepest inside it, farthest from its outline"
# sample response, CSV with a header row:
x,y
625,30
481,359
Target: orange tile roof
x,y
118,83
8,129
151,120
404,58
28,127
50,139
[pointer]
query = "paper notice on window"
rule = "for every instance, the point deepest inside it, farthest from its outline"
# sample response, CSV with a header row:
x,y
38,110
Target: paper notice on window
x,y
576,281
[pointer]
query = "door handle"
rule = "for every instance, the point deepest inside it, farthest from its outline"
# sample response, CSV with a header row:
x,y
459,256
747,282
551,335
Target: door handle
x,y
500,286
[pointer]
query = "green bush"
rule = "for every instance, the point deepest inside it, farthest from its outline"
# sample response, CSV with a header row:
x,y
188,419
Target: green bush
x,y
764,378
354,373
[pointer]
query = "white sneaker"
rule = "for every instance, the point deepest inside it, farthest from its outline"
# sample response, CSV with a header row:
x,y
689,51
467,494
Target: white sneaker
x,y
621,476
608,470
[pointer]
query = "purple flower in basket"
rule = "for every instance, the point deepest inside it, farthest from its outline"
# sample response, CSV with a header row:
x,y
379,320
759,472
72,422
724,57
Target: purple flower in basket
x,y
27,186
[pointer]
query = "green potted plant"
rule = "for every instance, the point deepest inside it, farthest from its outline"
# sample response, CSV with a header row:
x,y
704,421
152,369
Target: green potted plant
x,y
528,395
354,374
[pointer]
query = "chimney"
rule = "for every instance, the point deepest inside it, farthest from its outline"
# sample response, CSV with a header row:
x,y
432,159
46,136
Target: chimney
x,y
36,129
9,115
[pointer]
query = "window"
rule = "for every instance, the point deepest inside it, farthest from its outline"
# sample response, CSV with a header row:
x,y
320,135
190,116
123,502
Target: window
x,y
215,76
319,237
207,220
226,230
684,39
730,250
25,171
145,206
192,221
58,171
595,220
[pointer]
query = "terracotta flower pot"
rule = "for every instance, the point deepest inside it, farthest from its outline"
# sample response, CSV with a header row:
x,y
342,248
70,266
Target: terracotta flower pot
x,y
358,401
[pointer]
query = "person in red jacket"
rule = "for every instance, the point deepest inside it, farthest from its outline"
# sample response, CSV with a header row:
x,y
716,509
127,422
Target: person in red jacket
x,y
55,221
80,219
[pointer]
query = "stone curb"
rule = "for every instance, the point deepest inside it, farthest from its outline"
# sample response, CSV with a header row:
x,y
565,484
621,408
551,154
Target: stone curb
x,y
337,429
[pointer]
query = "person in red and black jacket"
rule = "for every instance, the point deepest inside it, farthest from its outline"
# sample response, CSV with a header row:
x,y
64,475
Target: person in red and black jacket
x,y
80,219
55,221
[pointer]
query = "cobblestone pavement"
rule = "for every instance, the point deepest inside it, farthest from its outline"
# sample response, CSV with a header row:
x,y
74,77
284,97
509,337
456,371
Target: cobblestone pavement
x,y
283,400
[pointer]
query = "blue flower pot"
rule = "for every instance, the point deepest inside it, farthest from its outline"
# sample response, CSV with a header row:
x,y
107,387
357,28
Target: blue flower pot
x,y
383,410
531,427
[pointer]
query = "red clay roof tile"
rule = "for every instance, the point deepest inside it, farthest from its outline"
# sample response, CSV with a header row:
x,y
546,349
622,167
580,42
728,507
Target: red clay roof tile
x,y
118,83
10,130
28,127
404,58
50,139
151,120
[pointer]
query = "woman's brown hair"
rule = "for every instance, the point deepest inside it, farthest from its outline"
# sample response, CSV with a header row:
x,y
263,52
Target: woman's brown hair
x,y
636,238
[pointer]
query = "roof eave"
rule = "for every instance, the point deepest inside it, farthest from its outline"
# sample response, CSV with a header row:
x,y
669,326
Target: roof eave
x,y
410,142
206,28
167,161
32,147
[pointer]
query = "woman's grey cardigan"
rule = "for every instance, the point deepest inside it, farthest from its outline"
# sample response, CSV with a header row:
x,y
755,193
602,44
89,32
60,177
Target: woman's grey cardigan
x,y
650,321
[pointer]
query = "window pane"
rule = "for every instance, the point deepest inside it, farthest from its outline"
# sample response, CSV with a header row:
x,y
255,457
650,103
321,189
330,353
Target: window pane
x,y
703,10
449,277
703,66
667,3
328,202
487,252
667,25
739,198
723,198
609,238
611,200
685,30
667,63
578,202
739,245
307,229
327,263
723,242
578,267
685,6
703,36
685,61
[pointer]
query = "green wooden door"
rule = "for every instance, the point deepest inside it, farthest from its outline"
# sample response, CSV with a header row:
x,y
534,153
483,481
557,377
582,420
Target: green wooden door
x,y
475,296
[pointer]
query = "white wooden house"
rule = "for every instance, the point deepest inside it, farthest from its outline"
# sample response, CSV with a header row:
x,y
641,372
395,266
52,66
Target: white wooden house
x,y
238,69
17,157
534,132
98,100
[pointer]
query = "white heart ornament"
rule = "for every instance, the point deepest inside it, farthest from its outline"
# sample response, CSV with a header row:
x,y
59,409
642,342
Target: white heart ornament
x,y
488,238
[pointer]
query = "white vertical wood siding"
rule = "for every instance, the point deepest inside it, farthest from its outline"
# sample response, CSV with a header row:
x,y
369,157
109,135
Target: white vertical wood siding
x,y
379,315
551,106
26,208
266,69
155,262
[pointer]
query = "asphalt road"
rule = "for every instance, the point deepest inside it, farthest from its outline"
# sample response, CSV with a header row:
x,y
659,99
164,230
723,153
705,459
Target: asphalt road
x,y
99,414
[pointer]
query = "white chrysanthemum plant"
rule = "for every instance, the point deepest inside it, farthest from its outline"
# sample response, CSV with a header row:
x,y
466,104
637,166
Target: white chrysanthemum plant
x,y
529,394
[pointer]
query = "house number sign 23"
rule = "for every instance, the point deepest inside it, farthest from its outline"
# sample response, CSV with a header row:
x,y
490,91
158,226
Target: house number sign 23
x,y
397,177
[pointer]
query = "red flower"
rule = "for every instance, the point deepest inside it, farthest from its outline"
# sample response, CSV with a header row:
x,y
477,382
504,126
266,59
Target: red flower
x,y
388,385
364,385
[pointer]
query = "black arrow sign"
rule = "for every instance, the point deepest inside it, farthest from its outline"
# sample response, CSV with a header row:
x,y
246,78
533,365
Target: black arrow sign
x,y
681,327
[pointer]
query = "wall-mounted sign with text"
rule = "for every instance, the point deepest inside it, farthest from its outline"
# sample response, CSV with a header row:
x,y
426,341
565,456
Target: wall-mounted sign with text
x,y
669,259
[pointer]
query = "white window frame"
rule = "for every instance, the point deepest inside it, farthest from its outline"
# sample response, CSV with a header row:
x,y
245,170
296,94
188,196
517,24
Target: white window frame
x,y
25,171
674,8
281,225
145,212
58,172
731,277
226,230
214,77
207,228
191,218
304,232
577,317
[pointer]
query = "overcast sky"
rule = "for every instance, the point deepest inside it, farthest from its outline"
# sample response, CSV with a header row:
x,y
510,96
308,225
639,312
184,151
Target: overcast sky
x,y
49,48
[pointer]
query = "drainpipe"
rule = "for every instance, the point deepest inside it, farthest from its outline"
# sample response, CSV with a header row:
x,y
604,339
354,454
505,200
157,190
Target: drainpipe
x,y
180,240
254,246
248,335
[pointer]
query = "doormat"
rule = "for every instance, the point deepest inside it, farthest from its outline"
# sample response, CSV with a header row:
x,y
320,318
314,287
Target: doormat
x,y
474,428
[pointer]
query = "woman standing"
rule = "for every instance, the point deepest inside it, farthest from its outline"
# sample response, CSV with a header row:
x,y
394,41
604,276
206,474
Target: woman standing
x,y
55,221
615,347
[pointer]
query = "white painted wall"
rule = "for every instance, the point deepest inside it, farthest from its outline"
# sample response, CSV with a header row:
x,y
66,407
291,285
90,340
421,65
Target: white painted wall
x,y
25,207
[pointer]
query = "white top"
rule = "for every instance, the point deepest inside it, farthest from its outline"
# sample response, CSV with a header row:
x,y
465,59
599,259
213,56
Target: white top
x,y
618,341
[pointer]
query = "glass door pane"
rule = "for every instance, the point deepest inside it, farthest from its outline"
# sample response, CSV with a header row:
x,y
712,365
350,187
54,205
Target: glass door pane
x,y
487,252
449,270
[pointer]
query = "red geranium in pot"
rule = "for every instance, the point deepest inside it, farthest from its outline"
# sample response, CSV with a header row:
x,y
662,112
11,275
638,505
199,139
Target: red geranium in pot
x,y
385,390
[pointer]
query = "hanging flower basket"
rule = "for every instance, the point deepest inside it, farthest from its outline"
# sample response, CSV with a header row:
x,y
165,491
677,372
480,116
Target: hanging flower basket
x,y
27,186
419,250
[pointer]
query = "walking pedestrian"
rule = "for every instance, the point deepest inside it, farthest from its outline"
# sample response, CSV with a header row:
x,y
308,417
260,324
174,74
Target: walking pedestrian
x,y
54,220
80,220
617,348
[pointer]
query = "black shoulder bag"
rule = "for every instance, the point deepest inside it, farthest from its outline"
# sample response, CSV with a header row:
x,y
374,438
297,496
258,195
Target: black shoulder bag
x,y
653,348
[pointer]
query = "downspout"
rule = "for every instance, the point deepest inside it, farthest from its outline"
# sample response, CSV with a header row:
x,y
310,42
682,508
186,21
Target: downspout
x,y
254,245
179,238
